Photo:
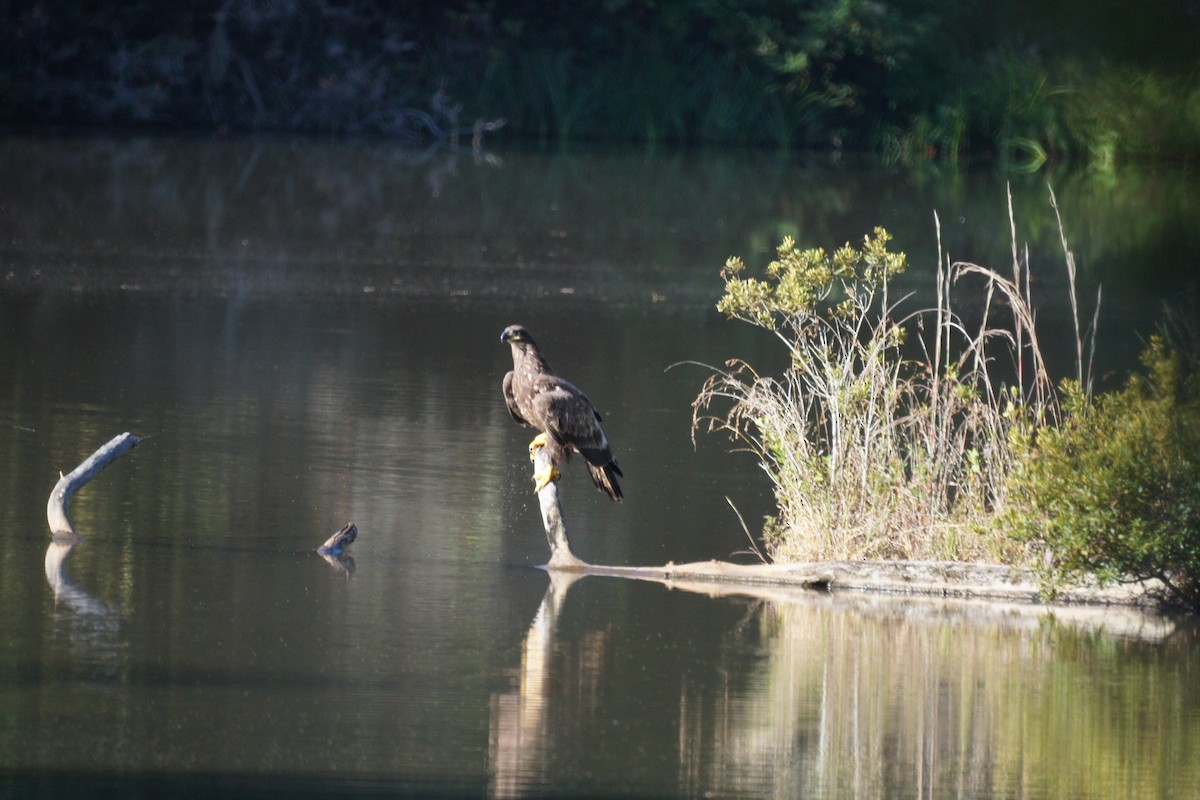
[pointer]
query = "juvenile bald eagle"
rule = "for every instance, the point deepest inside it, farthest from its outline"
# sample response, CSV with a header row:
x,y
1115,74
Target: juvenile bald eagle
x,y
538,398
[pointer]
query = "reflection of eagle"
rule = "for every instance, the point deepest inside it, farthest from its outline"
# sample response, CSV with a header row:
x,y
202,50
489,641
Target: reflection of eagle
x,y
540,399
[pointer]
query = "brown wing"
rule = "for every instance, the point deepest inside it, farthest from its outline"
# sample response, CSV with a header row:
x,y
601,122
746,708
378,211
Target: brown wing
x,y
510,399
562,411
571,420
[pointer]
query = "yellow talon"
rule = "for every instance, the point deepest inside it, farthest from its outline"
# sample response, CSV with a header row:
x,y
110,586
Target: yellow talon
x,y
542,479
538,443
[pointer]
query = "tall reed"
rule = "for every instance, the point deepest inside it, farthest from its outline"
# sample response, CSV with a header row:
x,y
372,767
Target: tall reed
x,y
890,433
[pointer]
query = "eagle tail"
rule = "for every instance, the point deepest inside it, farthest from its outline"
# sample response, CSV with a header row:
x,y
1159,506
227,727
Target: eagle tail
x,y
605,478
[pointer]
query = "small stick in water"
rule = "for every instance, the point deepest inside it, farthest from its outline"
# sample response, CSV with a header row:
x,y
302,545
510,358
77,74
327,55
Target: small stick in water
x,y
56,507
335,544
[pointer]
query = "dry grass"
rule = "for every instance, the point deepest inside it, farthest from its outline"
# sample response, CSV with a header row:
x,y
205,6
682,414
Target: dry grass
x,y
890,434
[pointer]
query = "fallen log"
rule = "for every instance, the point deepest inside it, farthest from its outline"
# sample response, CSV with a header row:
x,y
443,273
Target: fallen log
x,y
942,579
56,506
947,579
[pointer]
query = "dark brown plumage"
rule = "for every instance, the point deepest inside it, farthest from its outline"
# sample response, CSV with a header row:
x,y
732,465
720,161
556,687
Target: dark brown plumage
x,y
538,398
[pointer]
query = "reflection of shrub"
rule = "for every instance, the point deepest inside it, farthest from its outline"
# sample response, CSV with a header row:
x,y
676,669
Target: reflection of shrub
x,y
1128,113
1114,490
885,436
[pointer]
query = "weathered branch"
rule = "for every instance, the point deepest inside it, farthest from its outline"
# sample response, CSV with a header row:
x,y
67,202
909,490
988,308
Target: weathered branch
x,y
561,556
335,544
334,549
56,507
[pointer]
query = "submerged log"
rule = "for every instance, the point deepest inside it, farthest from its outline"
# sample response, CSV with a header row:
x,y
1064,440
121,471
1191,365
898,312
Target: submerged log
x,y
56,506
335,544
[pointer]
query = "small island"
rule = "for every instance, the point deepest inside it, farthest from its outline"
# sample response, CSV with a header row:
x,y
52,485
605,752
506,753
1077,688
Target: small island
x,y
932,452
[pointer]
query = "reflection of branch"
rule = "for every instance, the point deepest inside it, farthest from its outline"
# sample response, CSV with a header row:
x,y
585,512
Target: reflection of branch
x,y
56,507
90,623
413,124
539,641
519,742
65,590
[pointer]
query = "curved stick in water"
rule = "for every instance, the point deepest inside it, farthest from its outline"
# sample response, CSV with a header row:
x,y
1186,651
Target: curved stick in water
x,y
56,507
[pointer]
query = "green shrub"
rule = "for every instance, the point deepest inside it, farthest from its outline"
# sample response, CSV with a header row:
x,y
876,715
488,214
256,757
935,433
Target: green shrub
x,y
1114,491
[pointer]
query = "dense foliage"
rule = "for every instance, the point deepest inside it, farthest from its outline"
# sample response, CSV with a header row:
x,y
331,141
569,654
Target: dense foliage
x,y
913,78
1114,491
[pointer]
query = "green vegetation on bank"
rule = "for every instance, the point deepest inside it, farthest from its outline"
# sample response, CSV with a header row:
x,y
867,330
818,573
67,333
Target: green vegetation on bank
x,y
932,434
1011,79
1114,491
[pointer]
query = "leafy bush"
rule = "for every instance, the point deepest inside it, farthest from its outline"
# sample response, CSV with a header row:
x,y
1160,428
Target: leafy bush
x,y
1114,491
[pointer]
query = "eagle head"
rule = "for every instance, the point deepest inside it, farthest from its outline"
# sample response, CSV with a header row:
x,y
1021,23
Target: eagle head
x,y
517,336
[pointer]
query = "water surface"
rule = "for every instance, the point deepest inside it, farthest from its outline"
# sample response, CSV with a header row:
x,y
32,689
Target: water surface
x,y
308,334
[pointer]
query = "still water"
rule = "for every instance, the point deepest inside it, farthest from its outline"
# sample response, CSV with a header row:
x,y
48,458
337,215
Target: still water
x,y
307,333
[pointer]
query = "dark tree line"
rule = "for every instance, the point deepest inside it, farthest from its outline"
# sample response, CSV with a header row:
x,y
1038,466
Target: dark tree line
x,y
911,76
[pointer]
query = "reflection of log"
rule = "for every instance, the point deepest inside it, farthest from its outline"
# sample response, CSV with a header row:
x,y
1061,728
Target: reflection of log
x,y
561,556
56,507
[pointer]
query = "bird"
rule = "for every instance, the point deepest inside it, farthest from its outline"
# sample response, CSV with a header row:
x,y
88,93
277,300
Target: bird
x,y
538,398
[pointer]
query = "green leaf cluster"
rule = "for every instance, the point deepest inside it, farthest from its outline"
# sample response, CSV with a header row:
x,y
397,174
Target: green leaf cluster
x,y
799,282
875,450
1114,491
